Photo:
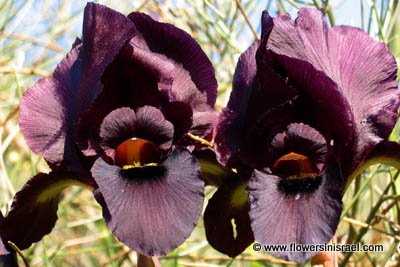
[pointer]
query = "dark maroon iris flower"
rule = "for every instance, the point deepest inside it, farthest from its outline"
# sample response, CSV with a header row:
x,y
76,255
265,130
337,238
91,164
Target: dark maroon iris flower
x,y
310,105
115,117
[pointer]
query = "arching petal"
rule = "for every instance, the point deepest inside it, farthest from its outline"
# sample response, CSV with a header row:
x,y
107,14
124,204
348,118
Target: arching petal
x,y
364,70
256,89
194,69
302,139
151,125
117,127
105,32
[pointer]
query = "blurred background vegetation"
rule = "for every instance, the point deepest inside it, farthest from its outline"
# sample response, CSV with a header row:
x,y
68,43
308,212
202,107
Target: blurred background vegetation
x,y
36,34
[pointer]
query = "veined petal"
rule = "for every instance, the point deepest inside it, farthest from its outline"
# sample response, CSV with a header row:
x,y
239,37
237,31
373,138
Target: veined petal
x,y
226,219
364,70
231,119
105,32
302,139
144,205
368,73
33,211
117,127
151,125
159,65
194,70
335,114
46,111
257,89
285,211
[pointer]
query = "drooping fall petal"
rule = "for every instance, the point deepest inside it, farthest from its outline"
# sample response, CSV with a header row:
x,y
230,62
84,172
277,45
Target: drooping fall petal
x,y
301,211
152,209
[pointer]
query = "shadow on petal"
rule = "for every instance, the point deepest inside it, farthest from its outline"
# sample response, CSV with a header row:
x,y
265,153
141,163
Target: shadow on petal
x,y
226,219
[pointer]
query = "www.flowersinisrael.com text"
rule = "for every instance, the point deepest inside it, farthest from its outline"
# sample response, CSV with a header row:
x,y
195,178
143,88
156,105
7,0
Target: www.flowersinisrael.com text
x,y
293,247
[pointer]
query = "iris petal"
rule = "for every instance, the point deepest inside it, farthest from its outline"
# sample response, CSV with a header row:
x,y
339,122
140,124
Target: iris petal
x,y
259,136
302,139
364,70
226,219
151,125
306,216
180,115
257,89
159,65
195,72
45,114
33,211
152,210
117,127
105,32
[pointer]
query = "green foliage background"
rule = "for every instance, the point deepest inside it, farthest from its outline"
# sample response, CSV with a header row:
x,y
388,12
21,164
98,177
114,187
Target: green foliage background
x,y
36,34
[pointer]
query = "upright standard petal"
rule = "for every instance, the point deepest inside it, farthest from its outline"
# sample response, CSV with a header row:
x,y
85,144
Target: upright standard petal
x,y
105,32
33,211
364,70
257,89
231,119
307,210
321,104
194,70
144,205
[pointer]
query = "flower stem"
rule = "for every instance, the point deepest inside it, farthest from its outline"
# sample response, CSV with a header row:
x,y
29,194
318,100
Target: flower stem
x,y
14,247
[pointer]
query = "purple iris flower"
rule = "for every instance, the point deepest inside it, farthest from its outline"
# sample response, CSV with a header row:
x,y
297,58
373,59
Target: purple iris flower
x,y
115,117
310,107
